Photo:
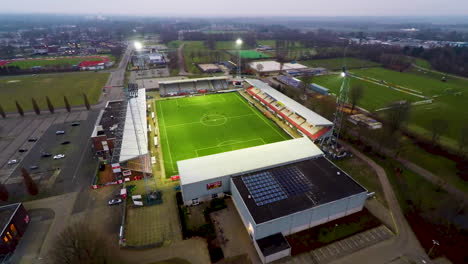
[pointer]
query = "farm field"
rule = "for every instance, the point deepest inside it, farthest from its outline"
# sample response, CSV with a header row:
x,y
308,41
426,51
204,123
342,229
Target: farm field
x,y
72,85
374,96
203,125
47,62
337,63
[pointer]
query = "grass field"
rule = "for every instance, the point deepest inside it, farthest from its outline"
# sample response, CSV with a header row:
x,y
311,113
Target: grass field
x,y
374,96
196,52
204,125
47,62
422,63
72,85
337,63
449,104
252,54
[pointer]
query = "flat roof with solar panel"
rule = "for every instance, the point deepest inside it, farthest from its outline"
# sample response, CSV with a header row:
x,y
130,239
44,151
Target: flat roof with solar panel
x,y
284,190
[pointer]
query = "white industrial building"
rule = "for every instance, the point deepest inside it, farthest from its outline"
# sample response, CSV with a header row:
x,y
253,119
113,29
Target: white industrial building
x,y
278,189
269,67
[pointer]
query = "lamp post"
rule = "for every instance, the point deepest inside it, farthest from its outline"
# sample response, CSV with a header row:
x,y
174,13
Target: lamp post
x,y
434,243
239,45
334,230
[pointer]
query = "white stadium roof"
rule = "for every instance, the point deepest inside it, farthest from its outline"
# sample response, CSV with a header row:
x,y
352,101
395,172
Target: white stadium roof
x,y
272,66
311,117
135,133
246,160
194,80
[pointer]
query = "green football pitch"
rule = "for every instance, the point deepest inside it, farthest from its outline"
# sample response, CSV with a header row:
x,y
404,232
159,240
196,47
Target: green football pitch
x,y
197,126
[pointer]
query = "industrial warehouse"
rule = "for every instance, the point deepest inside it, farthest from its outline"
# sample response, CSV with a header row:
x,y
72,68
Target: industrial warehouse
x,y
278,189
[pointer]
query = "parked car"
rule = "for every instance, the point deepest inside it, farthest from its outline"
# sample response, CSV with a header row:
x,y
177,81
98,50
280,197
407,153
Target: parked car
x,y
65,142
115,202
33,139
45,154
75,124
33,167
59,156
21,150
59,132
13,161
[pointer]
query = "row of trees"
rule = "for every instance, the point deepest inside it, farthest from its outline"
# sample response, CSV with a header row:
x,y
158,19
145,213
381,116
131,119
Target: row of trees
x,y
29,183
50,106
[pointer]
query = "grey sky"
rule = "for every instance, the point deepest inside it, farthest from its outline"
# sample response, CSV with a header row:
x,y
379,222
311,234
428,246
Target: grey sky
x,y
241,7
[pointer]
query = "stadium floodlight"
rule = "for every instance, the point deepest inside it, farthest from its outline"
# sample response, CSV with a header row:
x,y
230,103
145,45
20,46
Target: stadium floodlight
x,y
239,44
138,45
343,74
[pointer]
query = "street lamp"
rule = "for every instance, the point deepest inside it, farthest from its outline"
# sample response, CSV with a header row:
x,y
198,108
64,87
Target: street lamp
x,y
434,243
239,45
138,45
334,230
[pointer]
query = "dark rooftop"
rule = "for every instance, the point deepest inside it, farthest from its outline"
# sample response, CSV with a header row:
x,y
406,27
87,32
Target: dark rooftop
x,y
272,244
273,193
112,118
6,212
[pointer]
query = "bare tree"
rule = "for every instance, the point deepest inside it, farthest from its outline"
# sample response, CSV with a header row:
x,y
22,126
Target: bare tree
x,y
35,107
2,112
3,193
50,105
396,116
355,95
438,127
80,244
29,182
86,102
19,108
67,104
306,82
259,68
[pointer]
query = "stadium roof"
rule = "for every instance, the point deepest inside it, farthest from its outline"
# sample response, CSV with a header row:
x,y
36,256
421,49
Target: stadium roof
x,y
246,160
194,80
273,66
135,128
284,190
311,117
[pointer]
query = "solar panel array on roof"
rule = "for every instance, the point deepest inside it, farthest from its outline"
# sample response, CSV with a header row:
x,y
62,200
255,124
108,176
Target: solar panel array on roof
x,y
264,188
292,180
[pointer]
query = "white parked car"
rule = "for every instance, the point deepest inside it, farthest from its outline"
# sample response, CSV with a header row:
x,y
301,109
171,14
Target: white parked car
x,y
59,132
114,201
13,161
59,156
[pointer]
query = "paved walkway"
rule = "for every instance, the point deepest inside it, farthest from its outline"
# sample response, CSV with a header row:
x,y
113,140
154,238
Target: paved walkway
x,y
405,243
342,248
181,60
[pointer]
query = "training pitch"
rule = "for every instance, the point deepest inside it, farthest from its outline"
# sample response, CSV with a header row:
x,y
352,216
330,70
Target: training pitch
x,y
203,125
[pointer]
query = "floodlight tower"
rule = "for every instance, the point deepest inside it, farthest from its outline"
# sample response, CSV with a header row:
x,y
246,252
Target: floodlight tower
x,y
341,101
239,46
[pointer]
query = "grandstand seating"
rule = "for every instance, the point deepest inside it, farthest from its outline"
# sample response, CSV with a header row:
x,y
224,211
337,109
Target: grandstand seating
x,y
169,89
187,87
289,81
203,85
219,84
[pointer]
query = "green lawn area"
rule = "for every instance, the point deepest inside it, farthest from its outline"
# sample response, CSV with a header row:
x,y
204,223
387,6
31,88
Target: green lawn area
x,y
374,96
73,85
203,125
47,62
252,54
337,63
272,43
363,174
196,52
449,104
422,63
428,83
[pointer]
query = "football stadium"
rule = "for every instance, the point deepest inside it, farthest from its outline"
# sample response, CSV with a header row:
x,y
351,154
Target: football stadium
x,y
224,142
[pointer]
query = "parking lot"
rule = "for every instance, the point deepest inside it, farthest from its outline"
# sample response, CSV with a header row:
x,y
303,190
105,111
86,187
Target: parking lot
x,y
16,133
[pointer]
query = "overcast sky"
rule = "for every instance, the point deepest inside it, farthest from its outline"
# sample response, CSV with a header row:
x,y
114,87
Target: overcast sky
x,y
240,7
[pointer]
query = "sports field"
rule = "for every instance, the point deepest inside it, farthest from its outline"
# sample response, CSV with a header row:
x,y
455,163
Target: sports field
x,y
48,62
252,54
374,96
22,88
203,125
335,64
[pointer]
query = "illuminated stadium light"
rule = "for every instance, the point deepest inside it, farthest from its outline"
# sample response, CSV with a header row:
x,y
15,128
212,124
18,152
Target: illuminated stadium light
x,y
343,74
239,42
138,45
